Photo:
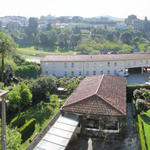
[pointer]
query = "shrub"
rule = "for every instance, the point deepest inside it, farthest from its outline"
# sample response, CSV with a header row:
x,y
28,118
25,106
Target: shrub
x,y
141,105
19,97
28,71
141,134
41,86
27,129
13,138
137,93
18,122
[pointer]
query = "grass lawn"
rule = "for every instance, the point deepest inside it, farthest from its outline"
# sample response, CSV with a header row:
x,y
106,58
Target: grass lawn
x,y
31,54
145,117
43,113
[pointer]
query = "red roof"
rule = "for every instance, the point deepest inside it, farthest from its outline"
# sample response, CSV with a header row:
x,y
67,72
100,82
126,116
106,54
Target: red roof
x,y
103,95
102,57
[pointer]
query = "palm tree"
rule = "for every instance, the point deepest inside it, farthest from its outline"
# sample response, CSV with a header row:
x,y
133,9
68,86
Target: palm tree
x,y
6,45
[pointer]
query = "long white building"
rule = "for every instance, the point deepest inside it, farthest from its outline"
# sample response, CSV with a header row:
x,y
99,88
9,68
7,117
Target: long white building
x,y
88,65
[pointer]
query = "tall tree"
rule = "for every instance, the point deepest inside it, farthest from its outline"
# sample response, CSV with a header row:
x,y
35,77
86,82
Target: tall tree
x,y
6,45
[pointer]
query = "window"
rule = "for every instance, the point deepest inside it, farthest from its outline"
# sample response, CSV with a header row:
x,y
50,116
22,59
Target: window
x,y
54,74
80,65
72,73
80,73
146,61
65,65
94,72
72,65
94,65
111,125
101,72
87,65
134,63
108,72
46,72
115,64
108,64
115,71
92,123
65,73
87,73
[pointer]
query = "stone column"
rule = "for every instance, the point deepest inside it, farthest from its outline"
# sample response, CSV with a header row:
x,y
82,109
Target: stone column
x,y
3,129
142,69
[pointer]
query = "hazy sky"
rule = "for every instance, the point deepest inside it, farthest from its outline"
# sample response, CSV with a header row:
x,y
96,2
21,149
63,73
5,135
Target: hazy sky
x,y
85,8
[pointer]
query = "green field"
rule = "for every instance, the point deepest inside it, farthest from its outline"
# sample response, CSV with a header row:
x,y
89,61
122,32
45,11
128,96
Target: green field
x,y
145,117
31,54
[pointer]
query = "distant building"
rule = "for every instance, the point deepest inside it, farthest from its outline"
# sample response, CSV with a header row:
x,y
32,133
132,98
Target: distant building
x,y
88,65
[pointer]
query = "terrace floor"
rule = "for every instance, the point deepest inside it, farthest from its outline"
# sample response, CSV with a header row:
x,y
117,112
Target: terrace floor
x,y
133,79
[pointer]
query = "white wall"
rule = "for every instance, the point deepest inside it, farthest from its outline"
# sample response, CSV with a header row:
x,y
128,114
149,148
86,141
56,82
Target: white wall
x,y
101,67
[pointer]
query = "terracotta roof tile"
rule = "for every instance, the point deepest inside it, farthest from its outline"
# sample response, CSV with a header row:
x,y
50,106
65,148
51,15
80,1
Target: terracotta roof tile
x,y
109,89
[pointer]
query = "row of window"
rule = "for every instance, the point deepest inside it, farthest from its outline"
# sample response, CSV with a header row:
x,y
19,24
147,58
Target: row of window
x,y
87,73
108,64
80,73
87,65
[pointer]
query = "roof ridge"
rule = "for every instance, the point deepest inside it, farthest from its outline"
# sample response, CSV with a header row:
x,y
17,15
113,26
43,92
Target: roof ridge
x,y
99,84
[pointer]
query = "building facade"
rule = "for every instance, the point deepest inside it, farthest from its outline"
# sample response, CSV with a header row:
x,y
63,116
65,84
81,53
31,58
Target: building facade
x,y
89,65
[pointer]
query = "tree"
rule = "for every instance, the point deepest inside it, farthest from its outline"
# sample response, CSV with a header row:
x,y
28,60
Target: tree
x,y
6,45
126,38
32,31
48,39
28,71
19,97
41,86
13,138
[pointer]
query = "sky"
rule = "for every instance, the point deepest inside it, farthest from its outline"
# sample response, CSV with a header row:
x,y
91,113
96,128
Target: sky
x,y
85,8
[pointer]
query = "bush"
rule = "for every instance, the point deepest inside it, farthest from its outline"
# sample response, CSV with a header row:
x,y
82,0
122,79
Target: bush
x,y
19,97
13,138
27,129
137,93
28,71
141,134
141,105
41,86
18,122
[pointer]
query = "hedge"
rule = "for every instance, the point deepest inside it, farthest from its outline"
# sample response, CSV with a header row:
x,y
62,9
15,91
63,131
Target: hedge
x,y
18,122
27,129
131,88
141,134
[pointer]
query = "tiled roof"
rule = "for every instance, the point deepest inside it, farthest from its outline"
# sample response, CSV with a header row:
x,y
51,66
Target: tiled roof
x,y
102,57
103,95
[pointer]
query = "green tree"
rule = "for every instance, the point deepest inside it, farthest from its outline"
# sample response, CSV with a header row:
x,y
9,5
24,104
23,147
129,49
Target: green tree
x,y
19,97
31,32
13,138
6,45
41,86
28,71
48,39
126,38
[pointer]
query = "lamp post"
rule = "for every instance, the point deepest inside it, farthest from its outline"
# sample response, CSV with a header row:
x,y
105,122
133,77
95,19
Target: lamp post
x,y
3,122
